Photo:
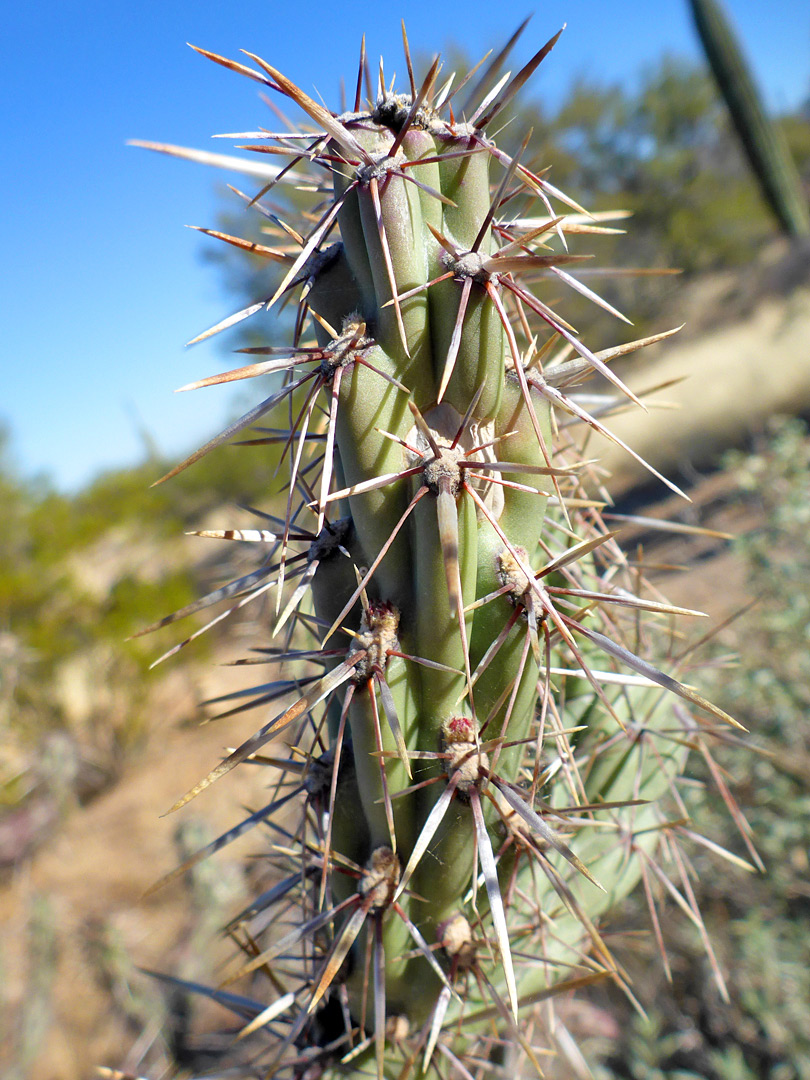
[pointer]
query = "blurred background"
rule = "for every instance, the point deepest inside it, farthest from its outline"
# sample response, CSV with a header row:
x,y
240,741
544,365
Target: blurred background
x,y
103,286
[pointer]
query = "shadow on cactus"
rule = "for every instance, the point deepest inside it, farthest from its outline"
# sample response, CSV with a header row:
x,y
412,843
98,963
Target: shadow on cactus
x,y
479,762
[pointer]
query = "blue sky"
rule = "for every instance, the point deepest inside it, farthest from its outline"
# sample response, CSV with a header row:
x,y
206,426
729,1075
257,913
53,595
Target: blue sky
x,y
102,285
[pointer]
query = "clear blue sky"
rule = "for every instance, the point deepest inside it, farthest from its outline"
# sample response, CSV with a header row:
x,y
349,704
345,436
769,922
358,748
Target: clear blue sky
x,y
102,285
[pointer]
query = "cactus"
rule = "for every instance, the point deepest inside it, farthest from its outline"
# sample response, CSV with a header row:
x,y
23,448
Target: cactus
x,y
482,761
762,141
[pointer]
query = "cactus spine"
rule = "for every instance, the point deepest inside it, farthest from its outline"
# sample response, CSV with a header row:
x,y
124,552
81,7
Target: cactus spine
x,y
478,753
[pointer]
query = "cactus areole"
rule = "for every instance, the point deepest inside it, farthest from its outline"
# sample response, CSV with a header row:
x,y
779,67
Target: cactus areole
x,y
477,751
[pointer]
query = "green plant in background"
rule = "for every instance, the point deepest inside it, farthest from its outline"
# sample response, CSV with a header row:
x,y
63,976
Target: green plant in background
x,y
763,142
770,925
482,758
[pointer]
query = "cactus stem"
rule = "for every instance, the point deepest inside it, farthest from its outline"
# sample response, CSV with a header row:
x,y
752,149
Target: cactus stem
x,y
423,362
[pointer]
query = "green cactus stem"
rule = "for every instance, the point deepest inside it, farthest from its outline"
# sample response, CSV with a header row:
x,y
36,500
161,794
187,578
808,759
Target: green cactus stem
x,y
480,755
762,141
